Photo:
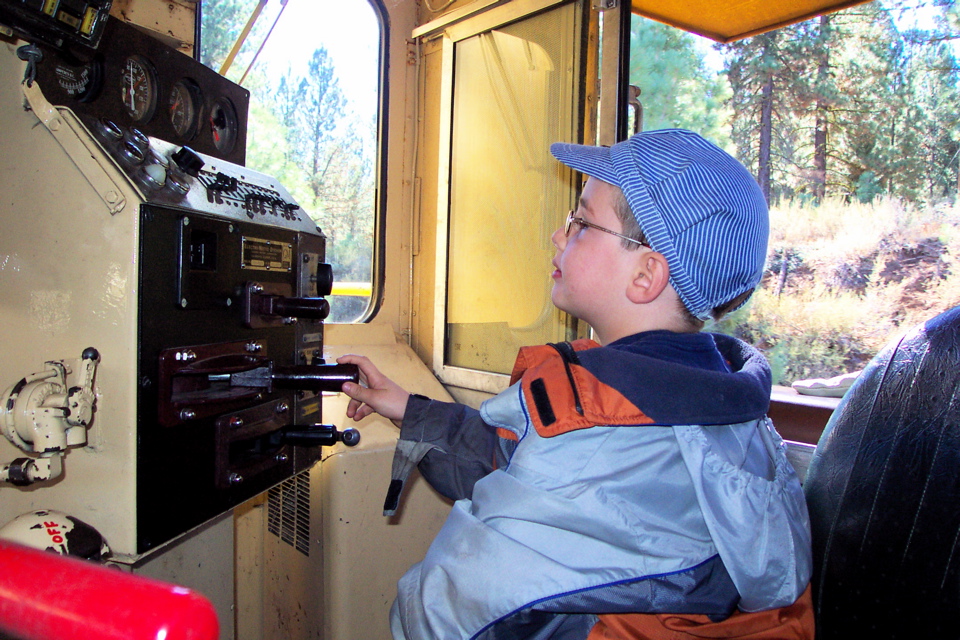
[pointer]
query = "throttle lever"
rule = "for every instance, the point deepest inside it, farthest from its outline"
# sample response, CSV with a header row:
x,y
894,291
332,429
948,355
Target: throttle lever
x,y
316,435
311,377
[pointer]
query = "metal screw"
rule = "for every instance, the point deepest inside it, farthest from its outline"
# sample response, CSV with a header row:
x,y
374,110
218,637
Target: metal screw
x,y
282,407
282,457
254,347
256,287
186,356
236,422
186,221
234,478
183,302
188,414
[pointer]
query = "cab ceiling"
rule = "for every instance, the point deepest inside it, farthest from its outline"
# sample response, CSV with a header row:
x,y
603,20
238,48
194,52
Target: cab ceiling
x,y
729,21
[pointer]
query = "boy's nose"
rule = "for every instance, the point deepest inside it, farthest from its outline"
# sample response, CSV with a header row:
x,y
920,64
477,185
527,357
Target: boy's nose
x,y
558,239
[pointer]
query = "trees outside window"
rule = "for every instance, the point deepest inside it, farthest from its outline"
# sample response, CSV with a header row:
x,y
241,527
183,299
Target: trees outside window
x,y
313,118
850,124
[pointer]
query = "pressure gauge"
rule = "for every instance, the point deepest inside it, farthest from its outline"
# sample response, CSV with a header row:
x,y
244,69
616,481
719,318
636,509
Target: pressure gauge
x,y
183,106
139,88
82,82
224,125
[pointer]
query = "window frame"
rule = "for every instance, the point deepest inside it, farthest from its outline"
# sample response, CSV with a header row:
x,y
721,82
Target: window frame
x,y
451,29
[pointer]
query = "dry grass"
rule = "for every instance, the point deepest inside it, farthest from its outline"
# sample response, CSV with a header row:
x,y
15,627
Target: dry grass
x,y
844,279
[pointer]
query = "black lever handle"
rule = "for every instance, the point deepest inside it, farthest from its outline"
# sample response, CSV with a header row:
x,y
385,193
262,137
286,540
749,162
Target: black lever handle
x,y
317,435
309,377
315,377
309,308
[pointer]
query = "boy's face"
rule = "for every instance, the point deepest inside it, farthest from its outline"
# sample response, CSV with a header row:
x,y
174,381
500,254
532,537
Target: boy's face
x,y
592,269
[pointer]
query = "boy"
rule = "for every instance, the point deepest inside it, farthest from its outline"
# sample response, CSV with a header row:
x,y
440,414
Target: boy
x,y
634,489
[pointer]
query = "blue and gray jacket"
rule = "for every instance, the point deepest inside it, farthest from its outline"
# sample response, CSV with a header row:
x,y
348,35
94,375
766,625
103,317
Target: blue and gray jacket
x,y
640,477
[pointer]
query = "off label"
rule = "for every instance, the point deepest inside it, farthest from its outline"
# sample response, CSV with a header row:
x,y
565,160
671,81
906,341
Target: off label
x,y
53,530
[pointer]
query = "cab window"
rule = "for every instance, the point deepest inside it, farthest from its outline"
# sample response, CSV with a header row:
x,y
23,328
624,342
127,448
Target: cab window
x,y
849,123
313,118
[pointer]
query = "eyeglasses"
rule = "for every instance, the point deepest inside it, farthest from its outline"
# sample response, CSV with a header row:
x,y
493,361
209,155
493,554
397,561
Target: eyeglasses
x,y
572,219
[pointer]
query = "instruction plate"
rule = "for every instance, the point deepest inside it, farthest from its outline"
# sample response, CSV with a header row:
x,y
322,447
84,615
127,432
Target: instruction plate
x,y
266,255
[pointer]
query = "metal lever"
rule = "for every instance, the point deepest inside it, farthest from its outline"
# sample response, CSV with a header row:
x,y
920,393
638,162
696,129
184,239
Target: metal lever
x,y
315,377
633,101
309,308
265,305
316,435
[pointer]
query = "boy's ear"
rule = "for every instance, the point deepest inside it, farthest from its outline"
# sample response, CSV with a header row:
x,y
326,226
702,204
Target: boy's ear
x,y
651,276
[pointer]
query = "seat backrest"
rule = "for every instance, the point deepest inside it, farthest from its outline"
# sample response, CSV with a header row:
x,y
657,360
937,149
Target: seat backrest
x,y
883,491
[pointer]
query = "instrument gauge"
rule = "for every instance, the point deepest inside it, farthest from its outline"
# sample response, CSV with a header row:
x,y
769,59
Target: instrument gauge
x,y
139,88
183,105
81,82
224,125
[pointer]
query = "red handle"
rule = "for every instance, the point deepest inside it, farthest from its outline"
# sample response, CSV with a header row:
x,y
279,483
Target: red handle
x,y
45,595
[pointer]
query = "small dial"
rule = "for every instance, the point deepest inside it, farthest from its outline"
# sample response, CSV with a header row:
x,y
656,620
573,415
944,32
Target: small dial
x,y
139,88
224,125
184,108
82,82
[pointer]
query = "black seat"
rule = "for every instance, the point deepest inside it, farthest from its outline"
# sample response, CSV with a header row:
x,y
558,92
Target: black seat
x,y
883,490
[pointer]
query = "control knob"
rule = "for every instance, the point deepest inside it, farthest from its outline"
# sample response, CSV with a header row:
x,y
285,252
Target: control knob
x,y
324,279
188,161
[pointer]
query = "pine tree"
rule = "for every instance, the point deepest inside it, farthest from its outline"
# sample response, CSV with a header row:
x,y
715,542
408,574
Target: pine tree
x,y
677,88
766,77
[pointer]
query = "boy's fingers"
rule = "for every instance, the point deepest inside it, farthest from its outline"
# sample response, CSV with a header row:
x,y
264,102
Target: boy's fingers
x,y
367,368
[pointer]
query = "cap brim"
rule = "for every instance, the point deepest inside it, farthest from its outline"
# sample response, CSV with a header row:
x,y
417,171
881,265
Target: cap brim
x,y
592,161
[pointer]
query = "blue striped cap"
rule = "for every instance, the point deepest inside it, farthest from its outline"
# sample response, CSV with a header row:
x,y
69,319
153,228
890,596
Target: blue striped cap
x,y
696,205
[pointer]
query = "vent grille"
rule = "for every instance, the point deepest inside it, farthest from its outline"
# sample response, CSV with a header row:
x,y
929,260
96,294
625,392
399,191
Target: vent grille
x,y
288,512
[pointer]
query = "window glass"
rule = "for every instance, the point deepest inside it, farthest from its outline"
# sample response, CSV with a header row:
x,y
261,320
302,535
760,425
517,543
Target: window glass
x,y
849,123
516,91
314,101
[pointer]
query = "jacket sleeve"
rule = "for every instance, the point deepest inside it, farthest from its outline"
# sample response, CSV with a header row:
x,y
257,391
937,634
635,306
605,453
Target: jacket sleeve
x,y
460,447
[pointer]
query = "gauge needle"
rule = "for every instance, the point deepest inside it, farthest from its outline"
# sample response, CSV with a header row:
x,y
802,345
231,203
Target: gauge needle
x,y
133,91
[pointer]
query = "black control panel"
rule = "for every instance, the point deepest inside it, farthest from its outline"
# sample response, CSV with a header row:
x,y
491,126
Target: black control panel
x,y
134,81
230,367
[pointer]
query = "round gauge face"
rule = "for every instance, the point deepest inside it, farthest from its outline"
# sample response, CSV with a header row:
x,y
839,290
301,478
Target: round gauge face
x,y
224,125
139,88
82,83
183,106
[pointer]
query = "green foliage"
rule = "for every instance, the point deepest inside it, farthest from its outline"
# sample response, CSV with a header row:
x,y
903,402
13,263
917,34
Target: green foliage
x,y
882,101
677,88
222,22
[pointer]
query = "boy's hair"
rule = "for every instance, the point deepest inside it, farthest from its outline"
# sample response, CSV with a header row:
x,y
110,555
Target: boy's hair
x,y
628,223
695,204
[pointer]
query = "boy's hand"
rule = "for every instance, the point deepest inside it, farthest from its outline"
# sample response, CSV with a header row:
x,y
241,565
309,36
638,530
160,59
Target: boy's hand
x,y
376,394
